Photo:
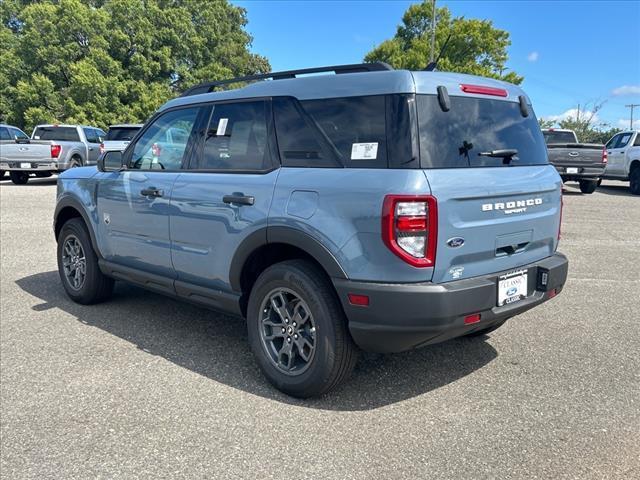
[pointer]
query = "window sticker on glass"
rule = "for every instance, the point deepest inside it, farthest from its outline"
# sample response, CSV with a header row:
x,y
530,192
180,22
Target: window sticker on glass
x,y
222,127
364,151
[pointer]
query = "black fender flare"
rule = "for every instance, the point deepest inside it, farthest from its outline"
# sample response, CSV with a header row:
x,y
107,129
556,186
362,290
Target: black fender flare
x,y
283,235
72,202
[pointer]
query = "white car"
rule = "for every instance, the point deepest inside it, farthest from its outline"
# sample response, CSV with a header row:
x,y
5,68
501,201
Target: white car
x,y
623,151
119,136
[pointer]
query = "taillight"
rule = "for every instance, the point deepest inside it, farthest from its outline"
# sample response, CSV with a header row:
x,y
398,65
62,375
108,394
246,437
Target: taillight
x,y
55,150
605,157
156,150
482,90
410,228
101,148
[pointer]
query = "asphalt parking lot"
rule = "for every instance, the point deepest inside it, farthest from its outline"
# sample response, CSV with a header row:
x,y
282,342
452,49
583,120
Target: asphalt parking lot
x,y
147,387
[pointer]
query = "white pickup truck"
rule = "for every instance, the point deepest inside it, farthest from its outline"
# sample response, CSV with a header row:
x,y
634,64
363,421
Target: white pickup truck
x,y
623,151
51,149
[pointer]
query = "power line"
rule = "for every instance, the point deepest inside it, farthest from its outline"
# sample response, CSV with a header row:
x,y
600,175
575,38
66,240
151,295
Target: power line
x,y
632,106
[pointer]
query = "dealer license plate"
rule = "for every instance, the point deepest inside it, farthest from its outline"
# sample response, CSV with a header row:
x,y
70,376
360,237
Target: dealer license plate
x,y
572,170
512,287
25,165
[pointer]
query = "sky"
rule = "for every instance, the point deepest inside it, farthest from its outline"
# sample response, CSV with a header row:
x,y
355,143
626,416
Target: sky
x,y
570,52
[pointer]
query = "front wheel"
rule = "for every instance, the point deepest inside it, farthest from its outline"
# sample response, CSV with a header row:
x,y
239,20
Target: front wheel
x,y
588,186
78,265
19,178
298,331
634,181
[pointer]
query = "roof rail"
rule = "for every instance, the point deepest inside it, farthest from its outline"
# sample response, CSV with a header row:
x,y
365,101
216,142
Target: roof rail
x,y
337,69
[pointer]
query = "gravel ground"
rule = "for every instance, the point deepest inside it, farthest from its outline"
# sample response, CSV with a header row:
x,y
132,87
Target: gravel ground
x,y
147,387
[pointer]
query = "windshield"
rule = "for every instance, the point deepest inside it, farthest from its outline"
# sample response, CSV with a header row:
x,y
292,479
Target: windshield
x,y
473,128
122,133
69,134
559,137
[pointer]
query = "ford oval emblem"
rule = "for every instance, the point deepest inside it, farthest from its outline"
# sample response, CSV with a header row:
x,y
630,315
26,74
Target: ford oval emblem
x,y
455,242
574,154
511,292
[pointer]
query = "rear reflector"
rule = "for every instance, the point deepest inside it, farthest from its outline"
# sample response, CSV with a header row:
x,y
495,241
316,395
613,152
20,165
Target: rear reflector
x,y
358,300
496,92
469,319
552,293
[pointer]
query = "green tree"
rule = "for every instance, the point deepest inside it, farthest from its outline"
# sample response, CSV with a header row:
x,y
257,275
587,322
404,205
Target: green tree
x,y
475,47
111,61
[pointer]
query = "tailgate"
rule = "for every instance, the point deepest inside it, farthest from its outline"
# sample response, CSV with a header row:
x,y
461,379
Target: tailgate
x,y
494,219
578,155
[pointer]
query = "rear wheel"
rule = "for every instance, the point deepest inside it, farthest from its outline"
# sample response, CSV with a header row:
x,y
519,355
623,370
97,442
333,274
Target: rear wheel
x,y
78,265
19,178
298,331
75,162
634,181
588,186
1,173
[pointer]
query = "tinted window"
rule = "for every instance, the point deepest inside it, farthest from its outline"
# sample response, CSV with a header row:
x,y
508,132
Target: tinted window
x,y
164,144
17,133
637,142
612,142
4,134
558,137
355,126
68,134
299,141
454,139
122,133
92,135
236,138
623,140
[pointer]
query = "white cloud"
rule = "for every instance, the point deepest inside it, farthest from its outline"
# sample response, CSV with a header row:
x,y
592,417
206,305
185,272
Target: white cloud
x,y
533,56
627,90
572,113
623,123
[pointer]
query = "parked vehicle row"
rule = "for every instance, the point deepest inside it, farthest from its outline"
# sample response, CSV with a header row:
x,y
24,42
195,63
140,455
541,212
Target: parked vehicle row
x,y
373,209
56,148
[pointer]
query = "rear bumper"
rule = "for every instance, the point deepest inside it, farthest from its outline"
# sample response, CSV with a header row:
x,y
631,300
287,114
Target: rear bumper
x,y
584,172
30,166
405,316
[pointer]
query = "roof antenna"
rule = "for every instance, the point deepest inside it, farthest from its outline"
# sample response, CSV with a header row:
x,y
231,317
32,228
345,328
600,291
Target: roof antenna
x,y
432,65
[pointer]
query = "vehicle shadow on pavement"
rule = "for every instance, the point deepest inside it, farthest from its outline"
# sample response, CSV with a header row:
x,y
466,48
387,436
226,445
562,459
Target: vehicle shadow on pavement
x,y
33,182
216,346
618,190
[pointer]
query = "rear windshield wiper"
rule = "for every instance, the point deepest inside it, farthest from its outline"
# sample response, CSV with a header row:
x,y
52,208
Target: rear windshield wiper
x,y
506,154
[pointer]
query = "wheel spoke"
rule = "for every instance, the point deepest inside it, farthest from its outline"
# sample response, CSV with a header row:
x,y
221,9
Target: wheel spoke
x,y
279,304
300,314
304,348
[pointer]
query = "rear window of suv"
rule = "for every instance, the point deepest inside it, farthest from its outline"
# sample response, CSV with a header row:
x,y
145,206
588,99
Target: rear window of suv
x,y
122,134
68,134
454,139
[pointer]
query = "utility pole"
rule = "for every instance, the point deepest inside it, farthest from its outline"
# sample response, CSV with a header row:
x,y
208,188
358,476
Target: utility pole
x,y
433,30
632,106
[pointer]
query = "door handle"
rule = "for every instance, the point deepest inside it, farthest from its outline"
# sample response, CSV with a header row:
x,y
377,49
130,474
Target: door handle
x,y
239,199
151,192
91,149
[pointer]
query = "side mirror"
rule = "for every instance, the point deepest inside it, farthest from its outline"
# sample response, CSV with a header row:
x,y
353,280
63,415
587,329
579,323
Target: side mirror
x,y
111,162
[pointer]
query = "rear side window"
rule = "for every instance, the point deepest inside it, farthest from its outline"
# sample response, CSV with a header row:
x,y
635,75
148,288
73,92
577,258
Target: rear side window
x,y
637,141
122,134
355,126
17,133
236,138
92,135
4,134
68,134
474,127
623,140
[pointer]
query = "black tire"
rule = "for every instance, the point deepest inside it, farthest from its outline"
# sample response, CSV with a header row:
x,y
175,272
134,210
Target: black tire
x,y
19,178
484,331
588,186
2,174
334,354
43,174
634,181
599,181
96,287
